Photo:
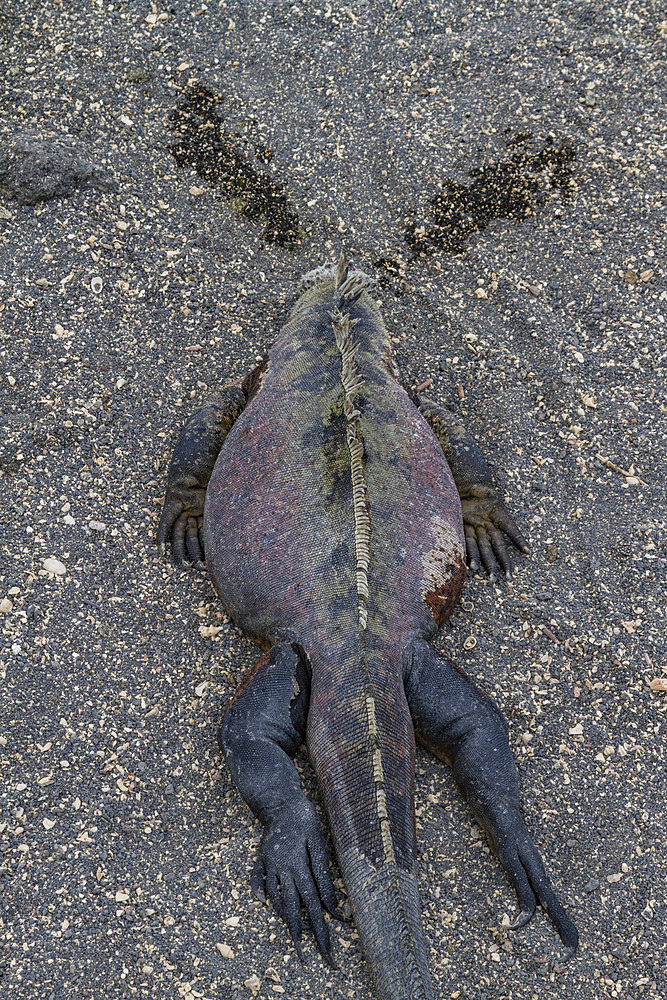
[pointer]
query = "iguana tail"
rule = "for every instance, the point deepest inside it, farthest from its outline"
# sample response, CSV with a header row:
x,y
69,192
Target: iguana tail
x,y
363,748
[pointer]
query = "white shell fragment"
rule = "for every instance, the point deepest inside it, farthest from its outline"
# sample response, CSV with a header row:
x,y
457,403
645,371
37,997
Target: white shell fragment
x,y
54,566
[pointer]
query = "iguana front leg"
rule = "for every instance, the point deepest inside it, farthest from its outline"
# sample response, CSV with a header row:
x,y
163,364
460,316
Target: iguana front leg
x,y
264,726
462,726
196,451
484,514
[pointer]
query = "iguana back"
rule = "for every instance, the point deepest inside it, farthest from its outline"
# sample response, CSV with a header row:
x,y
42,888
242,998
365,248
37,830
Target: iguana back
x,y
332,520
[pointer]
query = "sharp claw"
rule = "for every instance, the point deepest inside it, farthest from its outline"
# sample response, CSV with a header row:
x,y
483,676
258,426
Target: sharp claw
x,y
473,565
324,945
299,951
526,549
567,954
161,548
200,566
508,574
333,911
521,920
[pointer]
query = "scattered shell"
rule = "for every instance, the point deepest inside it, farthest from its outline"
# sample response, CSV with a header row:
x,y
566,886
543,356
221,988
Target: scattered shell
x,y
577,730
225,950
96,285
6,605
209,631
470,642
54,566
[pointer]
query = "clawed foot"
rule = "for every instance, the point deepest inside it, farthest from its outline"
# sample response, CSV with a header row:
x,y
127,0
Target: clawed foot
x,y
293,871
192,463
181,524
485,517
523,864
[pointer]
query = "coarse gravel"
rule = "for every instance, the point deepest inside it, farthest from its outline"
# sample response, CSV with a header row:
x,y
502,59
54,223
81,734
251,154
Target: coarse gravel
x,y
500,168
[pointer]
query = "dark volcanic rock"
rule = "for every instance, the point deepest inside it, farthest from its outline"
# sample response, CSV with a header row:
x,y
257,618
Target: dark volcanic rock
x,y
35,168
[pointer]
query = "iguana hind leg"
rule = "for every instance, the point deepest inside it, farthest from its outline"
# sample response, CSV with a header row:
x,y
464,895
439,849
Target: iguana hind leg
x,y
460,724
192,462
263,727
484,514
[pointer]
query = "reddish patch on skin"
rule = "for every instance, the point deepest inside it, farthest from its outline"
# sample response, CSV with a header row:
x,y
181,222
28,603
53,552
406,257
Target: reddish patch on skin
x,y
252,383
263,660
440,600
389,363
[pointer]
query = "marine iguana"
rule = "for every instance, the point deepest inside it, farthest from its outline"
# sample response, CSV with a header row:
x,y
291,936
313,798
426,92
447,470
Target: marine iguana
x,y
335,510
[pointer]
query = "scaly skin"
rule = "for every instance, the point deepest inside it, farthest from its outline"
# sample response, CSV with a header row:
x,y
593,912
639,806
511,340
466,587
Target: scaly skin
x,y
334,535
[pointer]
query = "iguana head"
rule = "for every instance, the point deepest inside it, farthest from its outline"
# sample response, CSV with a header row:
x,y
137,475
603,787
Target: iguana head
x,y
337,283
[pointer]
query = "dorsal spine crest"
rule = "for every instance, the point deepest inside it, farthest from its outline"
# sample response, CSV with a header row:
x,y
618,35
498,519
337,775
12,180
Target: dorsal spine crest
x,y
352,380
